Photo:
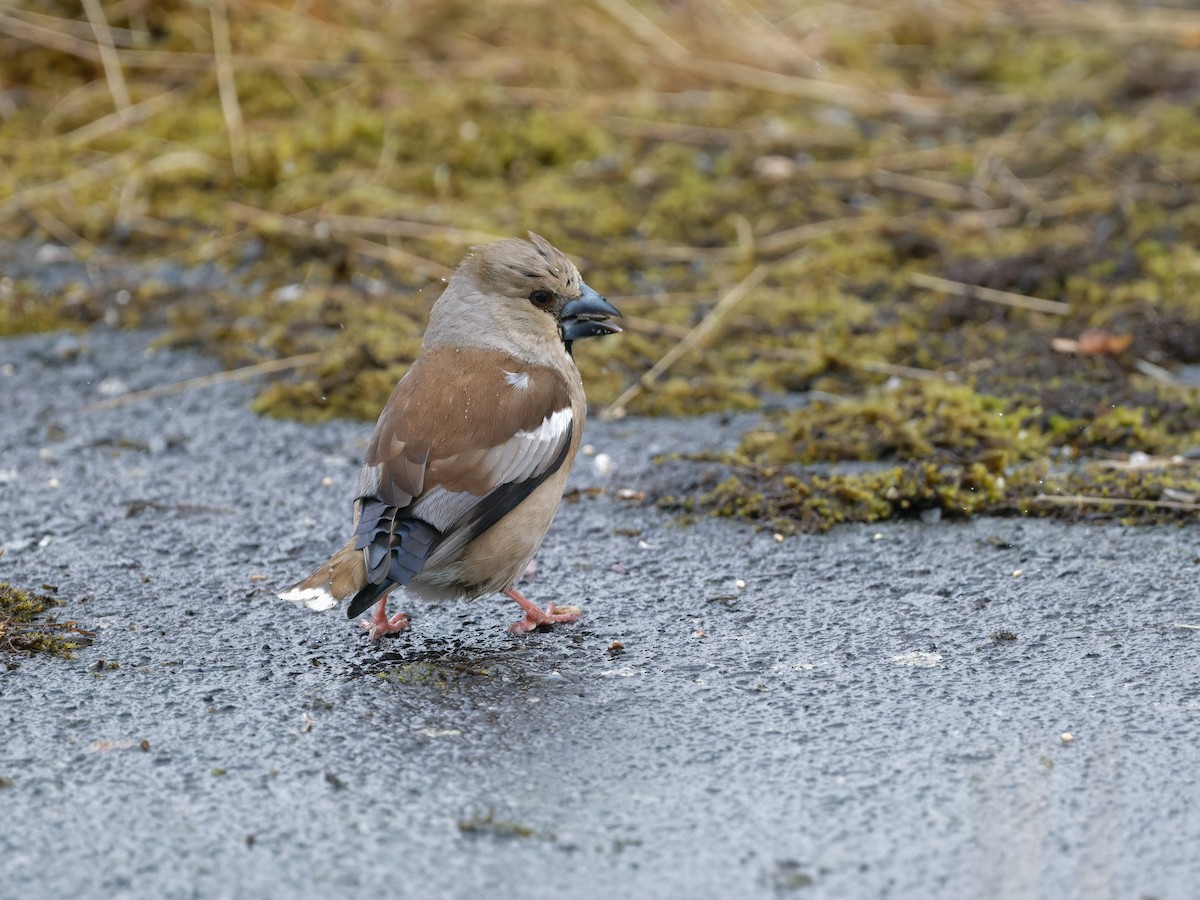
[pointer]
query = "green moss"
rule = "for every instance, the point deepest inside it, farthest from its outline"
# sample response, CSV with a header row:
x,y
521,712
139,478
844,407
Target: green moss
x,y
958,453
921,420
435,672
809,502
489,824
22,629
804,501
17,320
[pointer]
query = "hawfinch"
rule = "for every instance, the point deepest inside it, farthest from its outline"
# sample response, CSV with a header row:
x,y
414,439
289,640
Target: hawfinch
x,y
467,464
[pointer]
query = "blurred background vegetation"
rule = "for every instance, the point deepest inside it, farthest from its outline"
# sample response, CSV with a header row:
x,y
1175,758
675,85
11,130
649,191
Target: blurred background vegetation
x,y
949,248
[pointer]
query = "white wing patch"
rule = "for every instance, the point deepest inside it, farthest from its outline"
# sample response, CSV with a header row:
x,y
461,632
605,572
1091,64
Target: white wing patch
x,y
519,380
529,453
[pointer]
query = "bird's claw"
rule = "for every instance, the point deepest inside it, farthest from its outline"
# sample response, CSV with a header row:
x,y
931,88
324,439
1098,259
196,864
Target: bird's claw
x,y
548,616
381,624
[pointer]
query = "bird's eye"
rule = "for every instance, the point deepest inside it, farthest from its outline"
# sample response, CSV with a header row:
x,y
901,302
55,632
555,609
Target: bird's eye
x,y
541,299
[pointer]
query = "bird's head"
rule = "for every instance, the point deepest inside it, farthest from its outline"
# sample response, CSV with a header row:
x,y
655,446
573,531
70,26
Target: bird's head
x,y
523,293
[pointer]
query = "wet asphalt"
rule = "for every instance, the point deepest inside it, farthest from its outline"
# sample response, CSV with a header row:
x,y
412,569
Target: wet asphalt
x,y
1004,708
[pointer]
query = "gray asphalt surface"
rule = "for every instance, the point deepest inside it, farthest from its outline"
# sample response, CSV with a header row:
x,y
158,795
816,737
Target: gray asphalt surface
x,y
849,722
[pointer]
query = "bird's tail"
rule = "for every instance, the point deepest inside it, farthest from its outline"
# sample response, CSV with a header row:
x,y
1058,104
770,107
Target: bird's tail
x,y
341,577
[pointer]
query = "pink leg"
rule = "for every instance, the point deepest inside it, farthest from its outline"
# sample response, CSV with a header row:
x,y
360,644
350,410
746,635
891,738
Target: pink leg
x,y
535,615
380,625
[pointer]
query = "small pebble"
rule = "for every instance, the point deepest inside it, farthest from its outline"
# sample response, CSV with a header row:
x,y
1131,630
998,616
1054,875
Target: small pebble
x,y
112,387
920,659
775,168
50,253
68,348
288,293
1066,737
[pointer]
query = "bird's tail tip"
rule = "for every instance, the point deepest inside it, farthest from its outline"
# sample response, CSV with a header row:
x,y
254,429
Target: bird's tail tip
x,y
317,598
340,578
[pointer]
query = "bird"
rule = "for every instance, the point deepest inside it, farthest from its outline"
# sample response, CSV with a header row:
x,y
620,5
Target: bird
x,y
467,463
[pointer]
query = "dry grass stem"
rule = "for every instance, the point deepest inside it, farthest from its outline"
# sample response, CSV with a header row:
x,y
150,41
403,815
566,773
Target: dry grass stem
x,y
653,328
48,37
25,199
988,295
699,135
401,228
108,55
57,228
227,87
636,22
1075,204
860,100
894,371
791,238
1151,370
323,230
1144,461
694,338
187,61
863,167
785,241
1116,22
923,187
270,222
393,256
270,367
130,116
1082,500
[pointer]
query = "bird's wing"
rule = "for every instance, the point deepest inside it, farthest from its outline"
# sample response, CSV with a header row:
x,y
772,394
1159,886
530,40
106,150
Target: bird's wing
x,y
466,422
462,441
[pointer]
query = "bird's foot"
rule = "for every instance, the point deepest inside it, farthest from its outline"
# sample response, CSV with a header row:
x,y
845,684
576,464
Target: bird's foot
x,y
381,624
535,615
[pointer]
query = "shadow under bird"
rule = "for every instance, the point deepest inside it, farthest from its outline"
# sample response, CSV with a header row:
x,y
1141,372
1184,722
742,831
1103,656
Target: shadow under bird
x,y
467,464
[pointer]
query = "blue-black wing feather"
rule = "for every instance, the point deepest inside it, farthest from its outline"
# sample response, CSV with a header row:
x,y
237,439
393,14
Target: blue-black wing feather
x,y
397,545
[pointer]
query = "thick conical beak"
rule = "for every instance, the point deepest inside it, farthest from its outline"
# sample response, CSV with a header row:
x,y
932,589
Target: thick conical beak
x,y
587,316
